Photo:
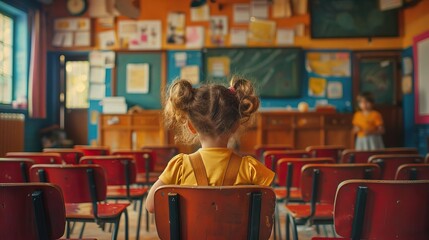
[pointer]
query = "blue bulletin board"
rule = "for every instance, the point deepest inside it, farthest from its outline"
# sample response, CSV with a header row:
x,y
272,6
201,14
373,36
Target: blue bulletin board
x,y
175,63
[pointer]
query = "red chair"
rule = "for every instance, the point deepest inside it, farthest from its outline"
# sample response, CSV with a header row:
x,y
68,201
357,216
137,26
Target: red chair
x,y
271,157
163,154
145,159
427,158
413,172
93,150
31,211
358,156
319,183
261,149
37,157
233,212
69,155
382,210
289,177
333,152
389,163
84,187
14,170
121,174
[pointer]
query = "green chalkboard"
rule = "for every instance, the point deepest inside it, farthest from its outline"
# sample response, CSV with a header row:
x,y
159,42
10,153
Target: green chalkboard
x,y
351,18
276,72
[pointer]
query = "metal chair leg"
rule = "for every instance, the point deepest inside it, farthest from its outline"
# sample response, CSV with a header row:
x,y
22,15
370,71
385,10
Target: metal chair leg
x,y
81,230
67,229
287,233
126,224
116,228
139,218
294,228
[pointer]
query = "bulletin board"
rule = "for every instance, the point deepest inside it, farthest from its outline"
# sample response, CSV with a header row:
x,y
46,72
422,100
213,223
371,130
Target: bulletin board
x,y
151,99
421,70
193,58
275,72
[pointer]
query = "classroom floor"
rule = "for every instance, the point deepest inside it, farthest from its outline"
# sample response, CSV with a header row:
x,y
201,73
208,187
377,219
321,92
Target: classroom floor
x,y
92,230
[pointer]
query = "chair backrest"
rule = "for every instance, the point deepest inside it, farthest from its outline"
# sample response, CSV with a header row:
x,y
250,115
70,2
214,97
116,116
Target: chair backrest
x,y
120,170
233,212
31,211
69,155
76,181
360,156
93,150
382,210
290,169
38,157
271,157
162,156
329,151
15,170
145,159
261,149
412,172
389,163
427,158
325,178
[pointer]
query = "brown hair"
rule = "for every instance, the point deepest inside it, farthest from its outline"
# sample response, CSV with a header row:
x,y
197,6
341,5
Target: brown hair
x,y
212,109
367,96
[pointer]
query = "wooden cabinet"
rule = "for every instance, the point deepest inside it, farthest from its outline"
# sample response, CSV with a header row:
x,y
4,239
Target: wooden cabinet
x,y
298,130
132,131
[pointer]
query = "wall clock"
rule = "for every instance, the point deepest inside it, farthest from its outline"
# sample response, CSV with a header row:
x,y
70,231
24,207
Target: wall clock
x,y
77,7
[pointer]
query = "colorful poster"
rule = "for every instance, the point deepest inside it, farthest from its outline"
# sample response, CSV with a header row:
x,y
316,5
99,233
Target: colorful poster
x,y
190,73
176,28
199,14
137,78
194,37
335,90
127,30
317,87
262,30
219,66
148,35
218,29
331,64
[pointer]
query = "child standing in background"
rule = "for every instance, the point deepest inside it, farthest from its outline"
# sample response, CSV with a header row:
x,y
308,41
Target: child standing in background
x,y
210,114
368,124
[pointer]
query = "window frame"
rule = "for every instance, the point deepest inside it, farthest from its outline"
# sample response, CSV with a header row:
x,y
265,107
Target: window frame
x,y
14,32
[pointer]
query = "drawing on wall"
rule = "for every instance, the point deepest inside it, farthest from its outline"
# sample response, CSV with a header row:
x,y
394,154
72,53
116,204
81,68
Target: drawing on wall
x,y
148,35
335,90
127,29
378,76
137,78
332,64
218,29
317,87
176,28
194,36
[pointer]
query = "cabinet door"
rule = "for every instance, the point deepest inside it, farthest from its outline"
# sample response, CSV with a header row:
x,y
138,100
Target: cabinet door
x,y
146,137
341,136
117,139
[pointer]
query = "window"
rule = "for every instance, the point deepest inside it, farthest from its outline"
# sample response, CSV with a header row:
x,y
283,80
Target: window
x,y
6,58
77,84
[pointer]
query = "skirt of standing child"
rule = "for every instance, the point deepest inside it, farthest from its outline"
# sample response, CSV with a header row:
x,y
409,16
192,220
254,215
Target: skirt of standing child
x,y
370,142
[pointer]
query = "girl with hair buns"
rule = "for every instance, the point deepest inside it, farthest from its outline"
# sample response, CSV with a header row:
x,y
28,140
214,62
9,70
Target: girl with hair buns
x,y
210,114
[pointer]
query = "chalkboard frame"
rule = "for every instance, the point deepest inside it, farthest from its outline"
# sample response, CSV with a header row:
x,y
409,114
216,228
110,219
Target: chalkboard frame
x,y
314,25
297,93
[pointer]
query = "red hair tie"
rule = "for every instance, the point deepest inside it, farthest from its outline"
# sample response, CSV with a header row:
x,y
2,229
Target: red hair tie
x,y
232,89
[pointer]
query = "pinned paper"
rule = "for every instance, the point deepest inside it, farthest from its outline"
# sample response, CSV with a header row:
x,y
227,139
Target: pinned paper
x,y
82,39
138,78
259,9
281,8
238,37
97,75
190,73
219,66
194,37
285,36
218,29
241,13
148,35
107,39
262,30
407,84
408,65
199,14
97,91
176,28
317,87
180,58
96,59
335,90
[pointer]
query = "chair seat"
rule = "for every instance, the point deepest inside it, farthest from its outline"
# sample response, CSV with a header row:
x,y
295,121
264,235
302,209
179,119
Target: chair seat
x,y
323,211
84,210
294,194
122,192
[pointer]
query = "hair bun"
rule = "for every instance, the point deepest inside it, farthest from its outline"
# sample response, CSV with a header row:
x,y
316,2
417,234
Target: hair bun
x,y
181,95
249,101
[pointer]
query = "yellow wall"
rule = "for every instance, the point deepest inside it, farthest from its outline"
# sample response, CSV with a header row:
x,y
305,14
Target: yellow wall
x,y
159,9
416,20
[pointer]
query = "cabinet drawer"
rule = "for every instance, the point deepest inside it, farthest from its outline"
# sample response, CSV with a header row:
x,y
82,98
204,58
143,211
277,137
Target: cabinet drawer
x,y
338,120
308,122
116,120
144,121
277,122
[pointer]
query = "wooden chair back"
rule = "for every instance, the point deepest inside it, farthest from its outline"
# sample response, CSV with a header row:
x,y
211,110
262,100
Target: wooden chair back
x,y
320,181
271,157
382,209
15,170
76,181
93,150
389,163
359,156
329,151
412,172
261,149
38,157
289,170
230,212
120,170
162,155
427,158
69,155
145,159
33,211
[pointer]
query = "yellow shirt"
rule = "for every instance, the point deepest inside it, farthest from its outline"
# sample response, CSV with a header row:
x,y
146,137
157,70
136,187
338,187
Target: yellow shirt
x,y
367,122
251,171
